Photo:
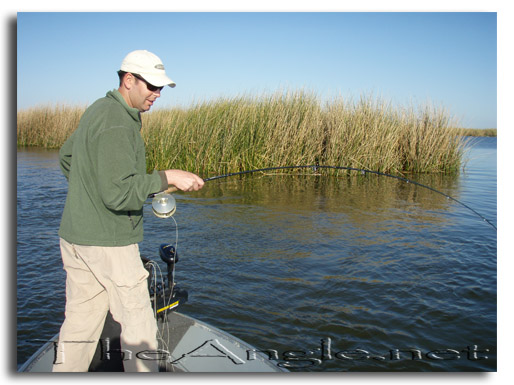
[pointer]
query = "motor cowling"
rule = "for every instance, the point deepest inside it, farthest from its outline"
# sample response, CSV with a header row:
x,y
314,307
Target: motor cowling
x,y
168,254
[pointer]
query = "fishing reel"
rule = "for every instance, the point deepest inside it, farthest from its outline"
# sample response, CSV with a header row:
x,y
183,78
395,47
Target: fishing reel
x,y
164,205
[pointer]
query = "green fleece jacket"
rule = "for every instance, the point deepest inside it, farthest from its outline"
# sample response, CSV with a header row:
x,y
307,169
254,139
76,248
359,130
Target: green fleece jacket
x,y
104,162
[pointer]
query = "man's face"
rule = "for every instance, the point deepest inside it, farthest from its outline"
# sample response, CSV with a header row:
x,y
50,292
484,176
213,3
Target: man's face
x,y
142,95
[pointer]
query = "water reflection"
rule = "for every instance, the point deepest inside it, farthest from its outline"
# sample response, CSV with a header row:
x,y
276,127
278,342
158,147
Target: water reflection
x,y
365,200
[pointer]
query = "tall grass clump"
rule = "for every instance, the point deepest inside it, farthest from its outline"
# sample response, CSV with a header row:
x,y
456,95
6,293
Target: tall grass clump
x,y
228,135
279,129
429,143
372,134
47,126
295,128
364,134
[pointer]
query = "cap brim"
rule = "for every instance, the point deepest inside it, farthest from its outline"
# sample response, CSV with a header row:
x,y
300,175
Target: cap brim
x,y
158,80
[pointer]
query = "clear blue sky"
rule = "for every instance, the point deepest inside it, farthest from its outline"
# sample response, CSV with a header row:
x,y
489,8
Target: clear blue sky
x,y
448,59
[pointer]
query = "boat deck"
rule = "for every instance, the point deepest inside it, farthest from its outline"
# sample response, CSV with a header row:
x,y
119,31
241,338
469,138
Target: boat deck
x,y
185,345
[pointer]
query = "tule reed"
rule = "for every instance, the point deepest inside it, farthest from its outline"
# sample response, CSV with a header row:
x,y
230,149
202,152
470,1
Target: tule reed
x,y
278,129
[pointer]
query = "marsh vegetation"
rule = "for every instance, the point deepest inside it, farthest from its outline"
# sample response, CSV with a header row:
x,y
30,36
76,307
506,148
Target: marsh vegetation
x,y
278,129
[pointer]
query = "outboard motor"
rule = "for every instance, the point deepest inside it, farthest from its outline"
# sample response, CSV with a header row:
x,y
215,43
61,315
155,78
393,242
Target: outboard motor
x,y
168,254
172,296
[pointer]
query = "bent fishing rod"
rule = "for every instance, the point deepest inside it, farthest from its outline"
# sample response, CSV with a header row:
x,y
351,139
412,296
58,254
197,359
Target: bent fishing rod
x,y
315,167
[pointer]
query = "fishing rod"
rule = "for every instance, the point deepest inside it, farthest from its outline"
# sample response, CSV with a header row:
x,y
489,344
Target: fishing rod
x,y
315,167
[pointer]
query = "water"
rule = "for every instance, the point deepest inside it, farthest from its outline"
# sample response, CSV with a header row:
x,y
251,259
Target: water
x,y
334,274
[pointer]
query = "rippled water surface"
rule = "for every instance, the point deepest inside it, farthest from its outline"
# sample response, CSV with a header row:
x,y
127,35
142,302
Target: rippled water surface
x,y
333,273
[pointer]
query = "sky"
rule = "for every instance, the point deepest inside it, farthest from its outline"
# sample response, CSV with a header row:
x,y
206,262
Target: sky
x,y
446,59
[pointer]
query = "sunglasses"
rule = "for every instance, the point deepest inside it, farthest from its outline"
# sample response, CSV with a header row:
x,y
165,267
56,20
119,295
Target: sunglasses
x,y
149,86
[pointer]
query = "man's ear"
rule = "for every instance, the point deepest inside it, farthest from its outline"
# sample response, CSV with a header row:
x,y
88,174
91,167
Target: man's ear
x,y
128,81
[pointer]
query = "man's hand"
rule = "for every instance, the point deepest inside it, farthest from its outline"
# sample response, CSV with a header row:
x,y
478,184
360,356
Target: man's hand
x,y
184,180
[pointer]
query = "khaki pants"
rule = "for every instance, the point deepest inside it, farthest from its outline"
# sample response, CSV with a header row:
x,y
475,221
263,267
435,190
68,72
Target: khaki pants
x,y
99,279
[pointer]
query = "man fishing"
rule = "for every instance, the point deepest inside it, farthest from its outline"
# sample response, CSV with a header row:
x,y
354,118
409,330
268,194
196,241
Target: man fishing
x,y
104,162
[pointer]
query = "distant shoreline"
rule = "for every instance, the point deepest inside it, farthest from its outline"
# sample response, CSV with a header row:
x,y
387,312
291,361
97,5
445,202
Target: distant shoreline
x,y
478,132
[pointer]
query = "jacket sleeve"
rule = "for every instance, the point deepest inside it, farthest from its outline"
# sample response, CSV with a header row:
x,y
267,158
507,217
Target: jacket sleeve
x,y
121,170
65,155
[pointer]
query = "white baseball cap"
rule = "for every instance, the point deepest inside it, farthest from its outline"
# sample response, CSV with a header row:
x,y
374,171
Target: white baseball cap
x,y
148,66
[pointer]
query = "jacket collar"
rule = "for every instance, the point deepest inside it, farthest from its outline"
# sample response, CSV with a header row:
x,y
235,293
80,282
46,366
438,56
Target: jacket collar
x,y
133,112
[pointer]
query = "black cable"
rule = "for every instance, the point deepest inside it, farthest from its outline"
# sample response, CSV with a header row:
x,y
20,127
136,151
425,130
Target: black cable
x,y
315,167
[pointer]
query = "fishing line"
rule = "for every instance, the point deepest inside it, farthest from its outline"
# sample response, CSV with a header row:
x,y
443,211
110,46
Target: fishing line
x,y
155,268
173,270
157,278
363,171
